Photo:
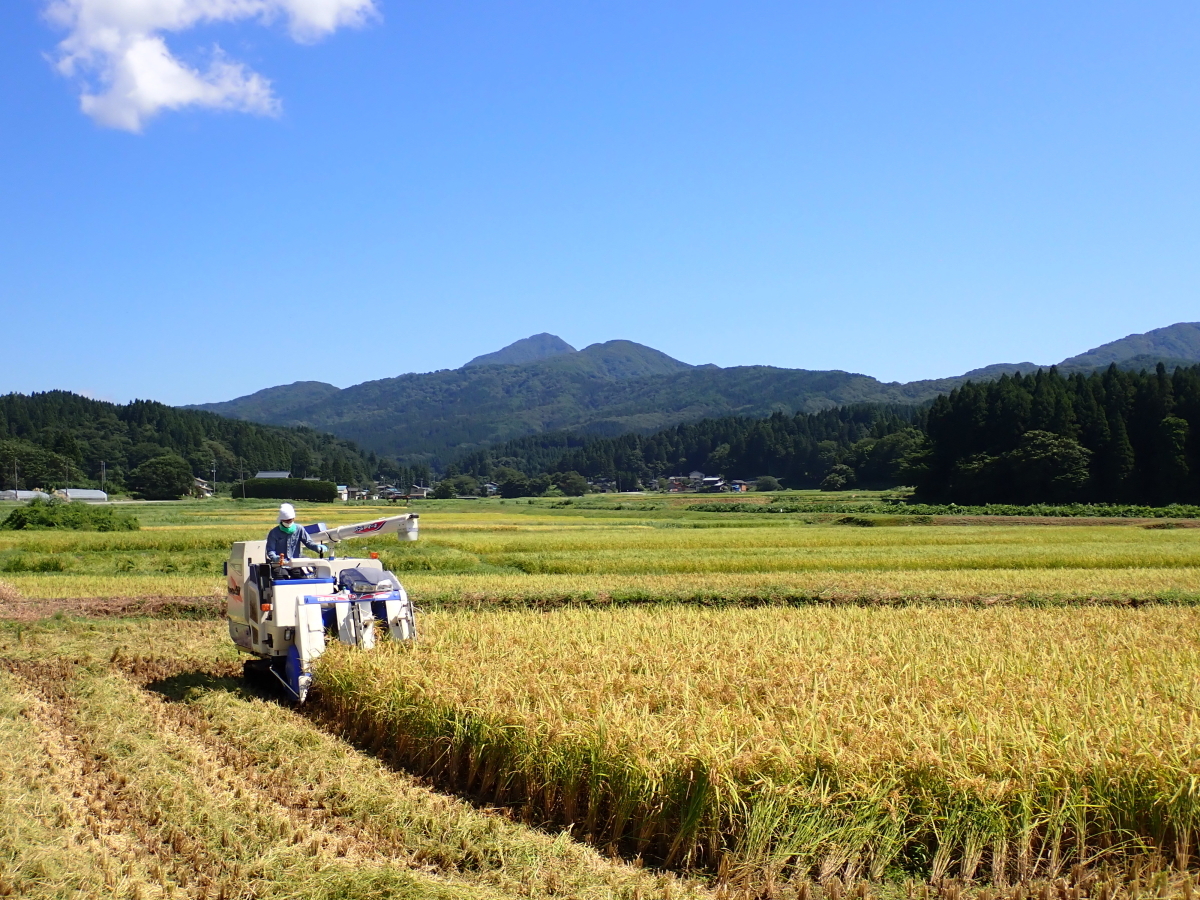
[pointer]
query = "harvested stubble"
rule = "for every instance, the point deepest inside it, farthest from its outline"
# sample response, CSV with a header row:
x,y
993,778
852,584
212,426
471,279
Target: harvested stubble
x,y
999,744
127,776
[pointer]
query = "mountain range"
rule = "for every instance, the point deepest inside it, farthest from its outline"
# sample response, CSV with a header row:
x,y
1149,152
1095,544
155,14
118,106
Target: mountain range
x,y
542,383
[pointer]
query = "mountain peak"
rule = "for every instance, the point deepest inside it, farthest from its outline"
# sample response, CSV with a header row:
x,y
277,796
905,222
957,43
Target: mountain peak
x,y
622,360
527,350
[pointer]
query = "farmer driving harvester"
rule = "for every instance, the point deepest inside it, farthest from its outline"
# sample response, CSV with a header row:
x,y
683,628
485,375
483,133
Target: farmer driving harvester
x,y
284,543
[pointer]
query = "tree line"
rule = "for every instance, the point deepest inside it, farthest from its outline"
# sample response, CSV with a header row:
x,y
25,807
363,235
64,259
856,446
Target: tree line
x,y
1109,437
1114,436
860,444
54,439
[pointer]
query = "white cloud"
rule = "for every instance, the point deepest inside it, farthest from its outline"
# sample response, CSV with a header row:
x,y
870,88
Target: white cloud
x,y
117,50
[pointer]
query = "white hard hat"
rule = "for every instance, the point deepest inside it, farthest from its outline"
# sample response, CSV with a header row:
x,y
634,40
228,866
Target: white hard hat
x,y
286,511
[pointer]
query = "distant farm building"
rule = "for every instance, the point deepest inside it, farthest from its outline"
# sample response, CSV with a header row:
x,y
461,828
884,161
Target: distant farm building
x,y
87,496
24,495
273,474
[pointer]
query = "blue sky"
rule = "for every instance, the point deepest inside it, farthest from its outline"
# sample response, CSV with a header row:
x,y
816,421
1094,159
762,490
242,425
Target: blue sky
x,y
907,190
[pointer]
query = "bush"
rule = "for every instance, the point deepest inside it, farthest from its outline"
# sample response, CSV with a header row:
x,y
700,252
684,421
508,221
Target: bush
x,y
767,483
838,478
453,485
166,477
570,483
290,489
40,515
511,482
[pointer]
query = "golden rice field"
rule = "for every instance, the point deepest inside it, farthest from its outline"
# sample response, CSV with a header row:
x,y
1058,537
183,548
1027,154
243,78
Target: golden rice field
x,y
636,702
808,743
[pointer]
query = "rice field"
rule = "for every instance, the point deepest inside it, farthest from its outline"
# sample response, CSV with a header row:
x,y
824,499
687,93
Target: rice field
x,y
638,701
518,552
789,744
127,775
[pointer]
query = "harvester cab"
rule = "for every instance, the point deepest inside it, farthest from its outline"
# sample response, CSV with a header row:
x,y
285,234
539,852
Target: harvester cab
x,y
283,614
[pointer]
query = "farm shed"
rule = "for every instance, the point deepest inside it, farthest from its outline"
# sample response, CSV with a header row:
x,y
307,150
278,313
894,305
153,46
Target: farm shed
x,y
84,494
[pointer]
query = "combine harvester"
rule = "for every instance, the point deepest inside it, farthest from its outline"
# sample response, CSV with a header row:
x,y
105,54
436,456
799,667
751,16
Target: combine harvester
x,y
283,621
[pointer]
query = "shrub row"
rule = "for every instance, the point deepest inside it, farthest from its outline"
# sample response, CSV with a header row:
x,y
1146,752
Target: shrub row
x,y
1067,510
41,515
290,489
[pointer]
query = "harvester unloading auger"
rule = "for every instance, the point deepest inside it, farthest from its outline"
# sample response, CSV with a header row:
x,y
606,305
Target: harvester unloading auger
x,y
284,620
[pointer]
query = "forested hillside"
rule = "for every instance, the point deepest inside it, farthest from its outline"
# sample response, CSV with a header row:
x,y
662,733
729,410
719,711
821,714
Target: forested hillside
x,y
540,384
606,389
1115,436
860,444
59,437
1108,437
1179,342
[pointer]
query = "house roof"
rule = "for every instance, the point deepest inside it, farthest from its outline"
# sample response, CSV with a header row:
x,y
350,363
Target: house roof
x,y
271,473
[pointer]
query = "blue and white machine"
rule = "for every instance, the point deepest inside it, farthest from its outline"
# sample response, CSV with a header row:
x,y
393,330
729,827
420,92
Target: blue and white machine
x,y
285,621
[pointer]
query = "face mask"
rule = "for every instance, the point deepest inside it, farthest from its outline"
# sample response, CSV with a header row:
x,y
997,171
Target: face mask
x,y
287,529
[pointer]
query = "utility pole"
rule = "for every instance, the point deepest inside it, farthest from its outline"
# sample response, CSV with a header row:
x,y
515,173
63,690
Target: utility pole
x,y
214,481
103,475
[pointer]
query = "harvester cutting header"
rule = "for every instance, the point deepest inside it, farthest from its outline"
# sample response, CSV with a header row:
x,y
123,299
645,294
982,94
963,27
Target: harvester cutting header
x,y
280,604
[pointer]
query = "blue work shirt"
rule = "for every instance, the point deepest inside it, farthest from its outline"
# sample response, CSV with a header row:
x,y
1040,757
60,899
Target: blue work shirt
x,y
280,543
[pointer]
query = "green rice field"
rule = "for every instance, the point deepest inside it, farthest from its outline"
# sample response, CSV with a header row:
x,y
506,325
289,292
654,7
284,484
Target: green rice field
x,y
545,552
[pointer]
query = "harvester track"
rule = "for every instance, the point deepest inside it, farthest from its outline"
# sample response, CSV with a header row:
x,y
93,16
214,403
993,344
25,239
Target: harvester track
x,y
436,836
99,822
108,821
312,821
135,849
